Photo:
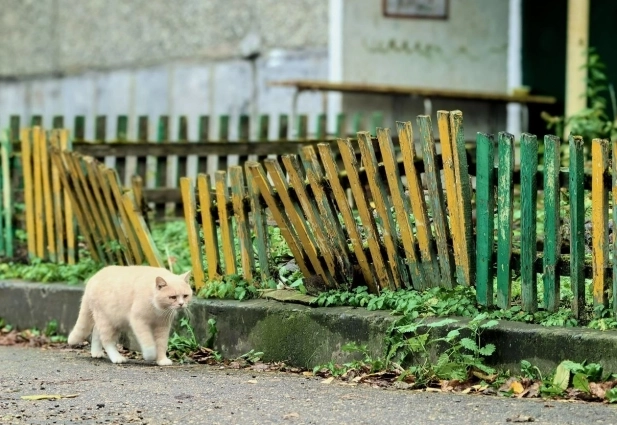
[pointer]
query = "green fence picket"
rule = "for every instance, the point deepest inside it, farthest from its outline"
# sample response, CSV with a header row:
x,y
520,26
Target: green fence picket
x,y
551,223
504,218
529,192
485,207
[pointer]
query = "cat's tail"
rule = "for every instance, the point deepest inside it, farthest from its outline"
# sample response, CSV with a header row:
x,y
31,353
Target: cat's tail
x,y
83,326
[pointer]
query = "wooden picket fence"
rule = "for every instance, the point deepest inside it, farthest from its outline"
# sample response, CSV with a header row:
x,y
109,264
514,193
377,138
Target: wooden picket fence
x,y
437,229
162,158
62,187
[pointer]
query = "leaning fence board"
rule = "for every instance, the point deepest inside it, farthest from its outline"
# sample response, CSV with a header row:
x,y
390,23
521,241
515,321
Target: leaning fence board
x,y
418,204
504,219
113,182
143,235
435,191
296,218
599,219
114,211
383,206
485,207
69,218
312,216
366,216
355,239
190,214
48,199
401,206
552,247
259,221
464,195
225,222
243,231
529,191
58,159
58,207
276,207
208,226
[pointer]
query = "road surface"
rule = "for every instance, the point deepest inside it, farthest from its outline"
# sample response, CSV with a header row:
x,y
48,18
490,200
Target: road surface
x,y
139,393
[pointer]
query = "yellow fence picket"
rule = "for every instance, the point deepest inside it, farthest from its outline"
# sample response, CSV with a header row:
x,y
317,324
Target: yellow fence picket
x,y
190,213
208,226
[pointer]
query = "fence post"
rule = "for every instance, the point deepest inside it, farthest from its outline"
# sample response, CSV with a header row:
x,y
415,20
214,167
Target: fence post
x,y
577,223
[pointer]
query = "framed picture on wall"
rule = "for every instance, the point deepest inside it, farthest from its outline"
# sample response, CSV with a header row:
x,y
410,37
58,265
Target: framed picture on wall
x,y
423,9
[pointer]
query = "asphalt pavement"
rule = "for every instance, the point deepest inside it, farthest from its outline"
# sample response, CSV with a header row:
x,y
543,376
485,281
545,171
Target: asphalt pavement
x,y
140,393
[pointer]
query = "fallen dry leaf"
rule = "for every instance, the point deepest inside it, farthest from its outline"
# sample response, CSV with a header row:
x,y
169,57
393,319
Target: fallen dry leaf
x,y
328,380
484,377
307,373
47,396
520,418
507,385
252,381
517,387
291,415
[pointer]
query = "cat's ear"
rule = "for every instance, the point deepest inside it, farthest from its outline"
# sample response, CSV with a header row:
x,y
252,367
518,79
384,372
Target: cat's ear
x,y
160,282
186,276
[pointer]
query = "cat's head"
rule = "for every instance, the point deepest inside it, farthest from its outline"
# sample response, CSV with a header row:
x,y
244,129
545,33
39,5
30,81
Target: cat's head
x,y
173,293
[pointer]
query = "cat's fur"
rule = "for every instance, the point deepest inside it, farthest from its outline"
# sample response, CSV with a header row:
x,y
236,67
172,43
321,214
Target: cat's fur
x,y
144,298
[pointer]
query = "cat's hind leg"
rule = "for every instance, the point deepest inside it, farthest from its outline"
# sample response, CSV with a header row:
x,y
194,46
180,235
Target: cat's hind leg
x,y
143,333
108,335
96,346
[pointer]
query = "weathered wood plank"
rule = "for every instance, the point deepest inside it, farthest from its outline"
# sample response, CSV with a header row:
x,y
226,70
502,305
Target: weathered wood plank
x,y
599,219
243,232
190,214
366,217
113,182
259,221
295,216
7,194
433,179
313,217
401,206
39,210
141,230
57,201
485,207
208,226
355,239
529,193
71,190
464,194
504,219
551,222
383,206
48,199
69,217
276,208
577,224
452,188
225,222
418,205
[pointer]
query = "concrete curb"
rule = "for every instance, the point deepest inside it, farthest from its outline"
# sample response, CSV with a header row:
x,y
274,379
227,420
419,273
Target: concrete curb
x,y
307,336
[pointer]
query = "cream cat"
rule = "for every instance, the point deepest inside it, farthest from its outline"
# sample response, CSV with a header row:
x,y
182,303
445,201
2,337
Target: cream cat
x,y
144,298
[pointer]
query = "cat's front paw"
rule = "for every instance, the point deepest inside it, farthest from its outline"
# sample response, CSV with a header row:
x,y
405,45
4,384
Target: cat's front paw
x,y
149,354
164,362
97,354
118,359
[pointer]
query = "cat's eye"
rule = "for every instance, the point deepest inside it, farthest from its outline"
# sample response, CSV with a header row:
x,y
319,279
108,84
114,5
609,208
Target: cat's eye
x,y
173,297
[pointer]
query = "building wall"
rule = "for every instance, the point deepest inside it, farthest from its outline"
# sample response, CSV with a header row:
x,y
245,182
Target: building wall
x,y
466,51
152,57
